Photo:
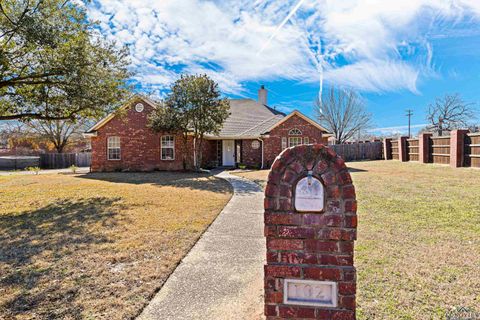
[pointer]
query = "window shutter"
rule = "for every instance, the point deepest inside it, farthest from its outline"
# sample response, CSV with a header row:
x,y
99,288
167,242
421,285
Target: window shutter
x,y
284,143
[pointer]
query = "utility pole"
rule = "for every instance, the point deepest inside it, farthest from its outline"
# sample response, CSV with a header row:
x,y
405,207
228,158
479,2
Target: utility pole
x,y
409,115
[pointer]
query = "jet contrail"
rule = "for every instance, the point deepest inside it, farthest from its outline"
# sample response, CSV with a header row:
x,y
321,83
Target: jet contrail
x,y
274,34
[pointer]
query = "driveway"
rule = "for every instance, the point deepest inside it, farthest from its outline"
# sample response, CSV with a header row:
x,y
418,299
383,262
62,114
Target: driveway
x,y
222,276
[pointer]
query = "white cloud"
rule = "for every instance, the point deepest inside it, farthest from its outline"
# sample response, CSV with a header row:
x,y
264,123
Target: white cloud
x,y
374,76
366,44
397,130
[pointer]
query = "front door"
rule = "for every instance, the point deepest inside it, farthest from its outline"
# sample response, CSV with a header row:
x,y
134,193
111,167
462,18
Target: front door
x,y
228,147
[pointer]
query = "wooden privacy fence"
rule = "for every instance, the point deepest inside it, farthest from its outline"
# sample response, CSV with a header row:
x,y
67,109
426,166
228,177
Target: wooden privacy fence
x,y
440,150
65,160
394,151
359,151
472,150
412,149
459,149
18,162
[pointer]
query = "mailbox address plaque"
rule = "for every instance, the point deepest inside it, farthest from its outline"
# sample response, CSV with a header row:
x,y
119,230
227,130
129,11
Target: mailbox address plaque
x,y
310,293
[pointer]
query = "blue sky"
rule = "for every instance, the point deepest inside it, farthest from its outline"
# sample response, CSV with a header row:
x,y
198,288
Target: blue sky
x,y
397,55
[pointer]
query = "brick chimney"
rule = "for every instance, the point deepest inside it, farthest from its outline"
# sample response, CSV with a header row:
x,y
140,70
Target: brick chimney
x,y
262,95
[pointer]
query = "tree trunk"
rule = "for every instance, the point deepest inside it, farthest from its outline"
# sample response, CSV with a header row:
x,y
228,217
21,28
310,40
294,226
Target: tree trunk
x,y
185,152
199,153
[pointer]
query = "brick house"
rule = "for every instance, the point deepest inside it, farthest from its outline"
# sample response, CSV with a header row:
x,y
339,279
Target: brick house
x,y
254,134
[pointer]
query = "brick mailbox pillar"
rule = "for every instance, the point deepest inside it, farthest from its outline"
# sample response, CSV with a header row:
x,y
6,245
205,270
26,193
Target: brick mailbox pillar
x,y
310,225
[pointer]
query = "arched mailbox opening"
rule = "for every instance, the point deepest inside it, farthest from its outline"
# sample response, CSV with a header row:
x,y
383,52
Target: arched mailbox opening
x,y
309,194
310,225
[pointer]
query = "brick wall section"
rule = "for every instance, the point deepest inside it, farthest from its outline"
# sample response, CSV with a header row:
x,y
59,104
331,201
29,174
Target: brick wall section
x,y
250,156
402,149
314,246
387,148
140,146
424,147
457,146
442,150
273,144
209,156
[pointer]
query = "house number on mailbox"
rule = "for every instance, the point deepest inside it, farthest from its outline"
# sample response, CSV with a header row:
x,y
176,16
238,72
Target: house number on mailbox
x,y
310,293
309,194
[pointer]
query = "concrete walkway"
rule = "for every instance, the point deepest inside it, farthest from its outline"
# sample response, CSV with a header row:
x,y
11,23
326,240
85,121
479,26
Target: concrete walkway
x,y
222,276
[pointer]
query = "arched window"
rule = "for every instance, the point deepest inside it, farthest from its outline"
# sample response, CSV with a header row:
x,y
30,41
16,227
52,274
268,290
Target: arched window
x,y
294,132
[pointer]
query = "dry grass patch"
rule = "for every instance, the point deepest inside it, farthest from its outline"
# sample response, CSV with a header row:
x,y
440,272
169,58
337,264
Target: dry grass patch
x,y
418,248
97,246
258,176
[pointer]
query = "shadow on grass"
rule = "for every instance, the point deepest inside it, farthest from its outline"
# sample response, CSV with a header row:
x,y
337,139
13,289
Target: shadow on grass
x,y
190,180
34,255
350,169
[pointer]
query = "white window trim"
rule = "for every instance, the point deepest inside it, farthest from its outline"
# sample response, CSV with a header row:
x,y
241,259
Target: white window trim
x,y
284,143
119,148
169,147
290,139
295,132
306,140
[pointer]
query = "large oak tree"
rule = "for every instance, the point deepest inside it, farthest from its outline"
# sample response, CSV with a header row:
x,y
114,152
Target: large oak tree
x,y
53,63
450,112
193,107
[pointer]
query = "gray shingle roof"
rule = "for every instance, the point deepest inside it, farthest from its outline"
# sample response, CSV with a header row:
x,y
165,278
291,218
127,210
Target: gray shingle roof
x,y
248,118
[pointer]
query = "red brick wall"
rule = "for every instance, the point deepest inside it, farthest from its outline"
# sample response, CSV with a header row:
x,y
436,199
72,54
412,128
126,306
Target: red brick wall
x,y
209,157
140,146
310,245
273,144
250,156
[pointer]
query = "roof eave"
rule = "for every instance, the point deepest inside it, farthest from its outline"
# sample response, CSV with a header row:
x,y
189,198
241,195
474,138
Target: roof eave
x,y
301,115
231,137
89,134
111,115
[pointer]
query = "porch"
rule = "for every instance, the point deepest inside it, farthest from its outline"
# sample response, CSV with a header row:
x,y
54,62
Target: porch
x,y
232,152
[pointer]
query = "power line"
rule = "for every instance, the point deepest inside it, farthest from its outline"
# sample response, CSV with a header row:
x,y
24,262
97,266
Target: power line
x,y
409,115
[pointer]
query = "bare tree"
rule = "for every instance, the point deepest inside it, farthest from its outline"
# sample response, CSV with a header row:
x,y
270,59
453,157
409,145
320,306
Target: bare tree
x,y
343,113
448,113
59,132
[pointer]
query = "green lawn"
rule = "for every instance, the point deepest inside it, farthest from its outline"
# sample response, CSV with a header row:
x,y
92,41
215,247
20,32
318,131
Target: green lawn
x,y
97,246
418,248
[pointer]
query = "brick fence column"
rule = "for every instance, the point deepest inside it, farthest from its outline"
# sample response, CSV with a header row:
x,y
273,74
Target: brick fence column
x,y
402,149
310,225
424,147
387,148
457,140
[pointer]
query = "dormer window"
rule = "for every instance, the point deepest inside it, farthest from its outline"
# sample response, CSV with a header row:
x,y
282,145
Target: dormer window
x,y
295,132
